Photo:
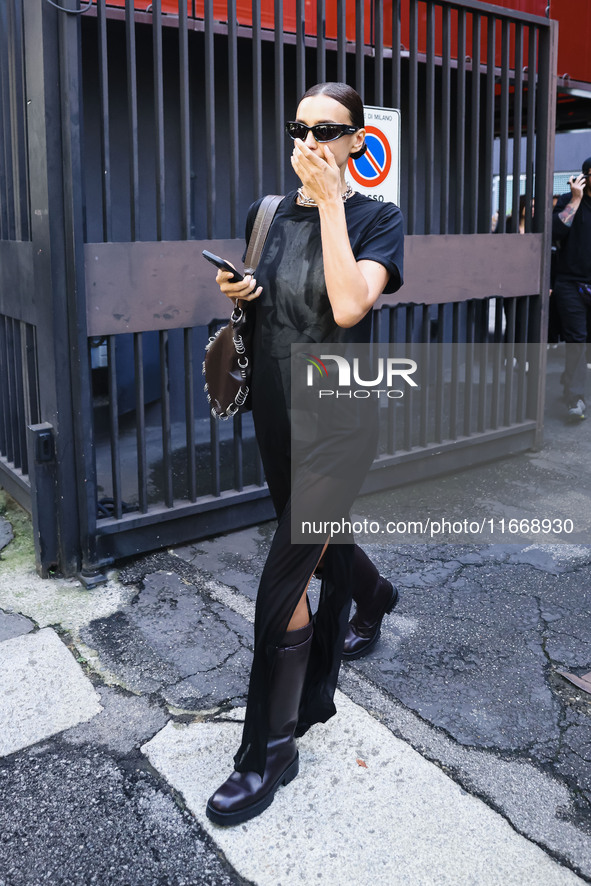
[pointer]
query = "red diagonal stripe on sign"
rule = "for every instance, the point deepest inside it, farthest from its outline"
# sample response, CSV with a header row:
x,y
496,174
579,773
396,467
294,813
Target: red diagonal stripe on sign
x,y
373,161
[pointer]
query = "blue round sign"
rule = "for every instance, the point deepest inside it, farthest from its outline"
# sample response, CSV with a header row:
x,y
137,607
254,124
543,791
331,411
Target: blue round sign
x,y
373,167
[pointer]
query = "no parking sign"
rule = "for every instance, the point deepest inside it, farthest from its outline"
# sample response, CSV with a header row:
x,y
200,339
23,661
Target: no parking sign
x,y
377,173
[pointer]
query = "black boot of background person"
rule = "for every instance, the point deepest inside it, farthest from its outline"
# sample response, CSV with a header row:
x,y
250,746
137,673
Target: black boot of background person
x,y
374,596
245,794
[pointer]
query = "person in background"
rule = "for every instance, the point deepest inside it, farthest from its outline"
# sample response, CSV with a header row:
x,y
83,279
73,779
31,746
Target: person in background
x,y
571,227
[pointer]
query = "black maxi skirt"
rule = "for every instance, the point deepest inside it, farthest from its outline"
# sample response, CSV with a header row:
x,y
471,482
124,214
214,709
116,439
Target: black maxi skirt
x,y
326,472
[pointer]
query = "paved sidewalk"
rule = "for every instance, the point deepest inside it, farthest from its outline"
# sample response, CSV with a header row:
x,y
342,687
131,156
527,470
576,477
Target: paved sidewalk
x,y
458,756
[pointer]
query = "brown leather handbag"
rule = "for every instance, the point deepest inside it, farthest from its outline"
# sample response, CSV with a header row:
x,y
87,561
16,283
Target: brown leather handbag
x,y
227,366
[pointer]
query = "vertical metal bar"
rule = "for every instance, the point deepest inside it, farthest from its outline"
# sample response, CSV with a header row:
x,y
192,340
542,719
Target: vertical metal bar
x,y
531,123
166,424
140,421
238,452
391,417
445,118
504,128
460,121
341,41
548,56
379,54
185,132
257,98
214,452
3,390
3,126
209,118
440,381
522,305
474,188
320,41
18,127
425,371
509,359
114,428
11,449
7,210
279,99
233,114
300,48
190,414
14,400
469,367
483,351
545,101
489,133
497,364
455,373
396,53
3,135
517,113
80,520
32,375
157,62
132,124
412,117
8,98
430,120
21,437
360,48
103,60
408,412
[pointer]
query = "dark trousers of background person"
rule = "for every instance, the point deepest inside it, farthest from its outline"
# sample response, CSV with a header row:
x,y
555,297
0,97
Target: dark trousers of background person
x,y
574,309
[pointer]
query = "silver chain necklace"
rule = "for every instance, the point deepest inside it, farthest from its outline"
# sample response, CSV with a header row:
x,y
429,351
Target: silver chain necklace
x,y
308,201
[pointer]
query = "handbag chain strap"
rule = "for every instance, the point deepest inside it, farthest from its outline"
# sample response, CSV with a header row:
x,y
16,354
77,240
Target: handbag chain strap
x,y
262,223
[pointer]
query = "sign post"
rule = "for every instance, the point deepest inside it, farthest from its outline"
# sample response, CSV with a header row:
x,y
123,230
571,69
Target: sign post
x,y
377,173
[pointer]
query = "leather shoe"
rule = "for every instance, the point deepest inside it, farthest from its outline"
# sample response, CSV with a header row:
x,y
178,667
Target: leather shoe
x,y
246,794
364,628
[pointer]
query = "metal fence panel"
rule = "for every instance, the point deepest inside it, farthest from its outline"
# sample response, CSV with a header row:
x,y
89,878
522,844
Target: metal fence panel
x,y
183,129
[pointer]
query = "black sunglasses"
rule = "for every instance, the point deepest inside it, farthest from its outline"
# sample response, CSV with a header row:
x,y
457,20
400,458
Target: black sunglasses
x,y
322,132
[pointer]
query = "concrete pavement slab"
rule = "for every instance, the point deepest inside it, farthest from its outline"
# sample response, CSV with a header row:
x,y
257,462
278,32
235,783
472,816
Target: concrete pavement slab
x,y
6,535
537,804
43,690
14,625
125,722
365,808
59,601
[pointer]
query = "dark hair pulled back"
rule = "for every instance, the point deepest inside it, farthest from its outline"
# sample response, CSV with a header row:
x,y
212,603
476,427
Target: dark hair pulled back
x,y
350,99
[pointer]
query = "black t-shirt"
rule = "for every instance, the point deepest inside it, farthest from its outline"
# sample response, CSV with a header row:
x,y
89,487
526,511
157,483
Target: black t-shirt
x,y
574,254
294,304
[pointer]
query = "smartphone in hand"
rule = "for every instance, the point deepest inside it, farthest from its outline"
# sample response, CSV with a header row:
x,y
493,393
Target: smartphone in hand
x,y
223,265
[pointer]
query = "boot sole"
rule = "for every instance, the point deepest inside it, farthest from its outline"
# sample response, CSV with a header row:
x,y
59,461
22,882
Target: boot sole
x,y
365,650
226,819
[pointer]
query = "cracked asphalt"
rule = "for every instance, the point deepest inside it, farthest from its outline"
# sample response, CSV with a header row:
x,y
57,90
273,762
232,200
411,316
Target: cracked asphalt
x,y
465,673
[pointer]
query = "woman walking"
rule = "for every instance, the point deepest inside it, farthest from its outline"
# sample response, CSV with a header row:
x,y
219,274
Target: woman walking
x,y
329,254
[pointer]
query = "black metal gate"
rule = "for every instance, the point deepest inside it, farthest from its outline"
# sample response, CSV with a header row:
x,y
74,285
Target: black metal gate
x,y
130,140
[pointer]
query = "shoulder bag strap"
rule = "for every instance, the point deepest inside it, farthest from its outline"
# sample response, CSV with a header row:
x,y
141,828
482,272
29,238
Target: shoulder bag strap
x,y
262,223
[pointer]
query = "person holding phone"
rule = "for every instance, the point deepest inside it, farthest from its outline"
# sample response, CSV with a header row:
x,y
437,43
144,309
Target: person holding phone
x,y
571,229
329,254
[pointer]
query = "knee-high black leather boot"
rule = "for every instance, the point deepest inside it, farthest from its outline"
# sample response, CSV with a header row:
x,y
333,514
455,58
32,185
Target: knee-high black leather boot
x,y
245,794
374,596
